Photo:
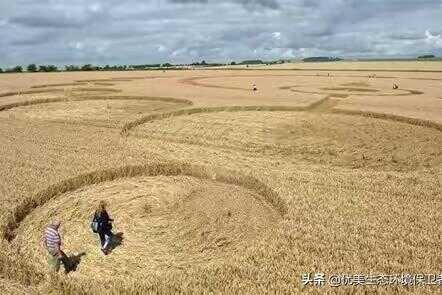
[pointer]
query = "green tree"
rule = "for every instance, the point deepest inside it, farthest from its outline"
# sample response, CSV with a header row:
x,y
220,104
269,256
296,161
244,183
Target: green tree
x,y
88,67
426,56
72,68
52,68
1,70
17,69
48,68
252,62
32,68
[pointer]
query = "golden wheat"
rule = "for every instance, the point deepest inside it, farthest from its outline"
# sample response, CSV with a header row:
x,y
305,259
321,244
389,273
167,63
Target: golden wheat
x,y
222,189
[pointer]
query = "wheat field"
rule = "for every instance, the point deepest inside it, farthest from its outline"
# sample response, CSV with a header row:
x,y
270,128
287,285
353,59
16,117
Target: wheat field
x,y
216,189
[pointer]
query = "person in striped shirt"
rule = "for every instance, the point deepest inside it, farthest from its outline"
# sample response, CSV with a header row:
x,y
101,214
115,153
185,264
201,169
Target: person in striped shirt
x,y
52,243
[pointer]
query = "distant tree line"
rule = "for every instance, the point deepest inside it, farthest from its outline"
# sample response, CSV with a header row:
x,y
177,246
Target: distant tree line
x,y
426,56
33,68
252,62
30,68
244,62
17,69
259,62
206,64
321,59
143,67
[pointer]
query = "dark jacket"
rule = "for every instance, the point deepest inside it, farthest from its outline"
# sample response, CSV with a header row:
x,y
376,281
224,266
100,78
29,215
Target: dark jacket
x,y
104,221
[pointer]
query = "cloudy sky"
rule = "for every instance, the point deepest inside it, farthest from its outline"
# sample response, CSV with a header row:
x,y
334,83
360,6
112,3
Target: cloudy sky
x,y
180,31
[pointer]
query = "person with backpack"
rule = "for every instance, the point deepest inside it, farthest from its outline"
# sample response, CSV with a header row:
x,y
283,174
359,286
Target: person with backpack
x,y
102,225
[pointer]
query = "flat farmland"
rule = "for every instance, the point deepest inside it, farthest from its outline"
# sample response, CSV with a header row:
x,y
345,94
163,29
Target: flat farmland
x,y
217,188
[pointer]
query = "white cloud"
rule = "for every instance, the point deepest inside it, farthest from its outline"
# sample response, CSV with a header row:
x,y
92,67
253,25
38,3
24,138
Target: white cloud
x,y
179,52
136,31
77,45
162,48
95,7
102,47
433,40
288,53
276,35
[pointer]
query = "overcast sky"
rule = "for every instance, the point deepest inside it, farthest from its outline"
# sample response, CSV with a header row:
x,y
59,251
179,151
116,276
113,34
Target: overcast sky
x,y
180,31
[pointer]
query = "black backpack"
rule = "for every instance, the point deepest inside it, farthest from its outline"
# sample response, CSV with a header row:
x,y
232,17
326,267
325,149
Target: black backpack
x,y
101,224
95,224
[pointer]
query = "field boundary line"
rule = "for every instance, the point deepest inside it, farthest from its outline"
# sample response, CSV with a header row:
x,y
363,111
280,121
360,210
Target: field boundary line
x,y
190,111
328,70
389,117
86,98
171,168
312,107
